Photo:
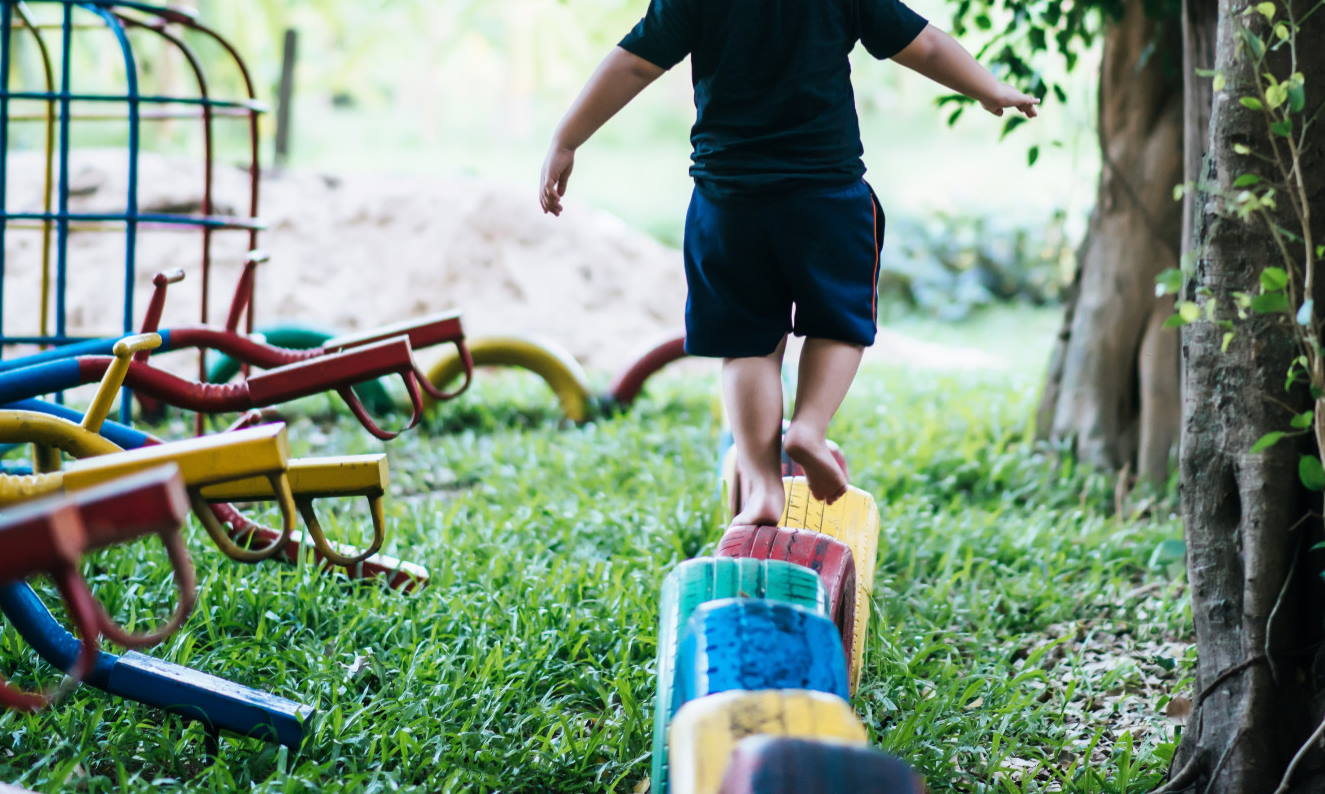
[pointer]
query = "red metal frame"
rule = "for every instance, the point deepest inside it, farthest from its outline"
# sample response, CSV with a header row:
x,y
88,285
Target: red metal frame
x,y
50,535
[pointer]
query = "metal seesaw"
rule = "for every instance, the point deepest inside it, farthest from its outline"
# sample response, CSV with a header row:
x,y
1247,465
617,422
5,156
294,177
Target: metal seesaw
x,y
49,535
308,479
337,372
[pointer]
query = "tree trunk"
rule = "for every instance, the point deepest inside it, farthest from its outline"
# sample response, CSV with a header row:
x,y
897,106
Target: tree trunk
x,y
1247,518
1113,379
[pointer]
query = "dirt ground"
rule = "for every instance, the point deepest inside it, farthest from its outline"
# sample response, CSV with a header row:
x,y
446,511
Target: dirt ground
x,y
352,252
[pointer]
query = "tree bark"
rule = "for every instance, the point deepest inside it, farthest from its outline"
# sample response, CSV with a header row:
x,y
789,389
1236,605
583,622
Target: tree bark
x,y
1112,386
1247,518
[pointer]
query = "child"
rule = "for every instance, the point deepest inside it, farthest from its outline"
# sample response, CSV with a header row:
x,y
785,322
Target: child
x,y
783,234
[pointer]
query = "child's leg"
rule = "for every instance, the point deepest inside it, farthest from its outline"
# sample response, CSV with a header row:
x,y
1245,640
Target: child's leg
x,y
827,368
752,388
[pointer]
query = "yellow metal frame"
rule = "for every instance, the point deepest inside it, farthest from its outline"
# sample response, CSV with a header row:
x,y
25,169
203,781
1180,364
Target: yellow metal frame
x,y
555,366
706,730
314,478
111,382
255,452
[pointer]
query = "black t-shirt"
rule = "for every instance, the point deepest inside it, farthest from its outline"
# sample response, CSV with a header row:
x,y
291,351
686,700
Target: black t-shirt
x,y
772,83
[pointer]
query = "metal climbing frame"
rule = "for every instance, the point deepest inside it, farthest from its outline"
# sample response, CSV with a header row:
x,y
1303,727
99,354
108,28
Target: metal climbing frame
x,y
62,104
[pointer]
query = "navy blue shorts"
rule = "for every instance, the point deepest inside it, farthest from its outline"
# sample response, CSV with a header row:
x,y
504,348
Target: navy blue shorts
x,y
759,267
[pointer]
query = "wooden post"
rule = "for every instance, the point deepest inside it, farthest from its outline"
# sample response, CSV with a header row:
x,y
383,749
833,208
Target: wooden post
x,y
289,55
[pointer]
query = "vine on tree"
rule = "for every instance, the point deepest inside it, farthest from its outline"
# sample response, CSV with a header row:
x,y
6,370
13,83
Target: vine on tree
x,y
1275,175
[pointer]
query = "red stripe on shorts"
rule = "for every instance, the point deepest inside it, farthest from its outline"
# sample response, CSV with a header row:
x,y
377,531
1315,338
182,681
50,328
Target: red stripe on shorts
x,y
874,241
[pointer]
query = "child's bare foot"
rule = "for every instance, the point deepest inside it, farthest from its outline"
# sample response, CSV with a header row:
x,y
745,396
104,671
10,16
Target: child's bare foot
x,y
810,449
762,500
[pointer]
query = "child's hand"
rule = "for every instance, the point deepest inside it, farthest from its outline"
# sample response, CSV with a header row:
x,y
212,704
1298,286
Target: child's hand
x,y
1008,97
556,172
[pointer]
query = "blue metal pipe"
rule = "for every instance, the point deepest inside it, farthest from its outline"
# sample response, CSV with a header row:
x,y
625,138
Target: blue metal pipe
x,y
155,99
215,222
220,704
104,346
122,436
51,377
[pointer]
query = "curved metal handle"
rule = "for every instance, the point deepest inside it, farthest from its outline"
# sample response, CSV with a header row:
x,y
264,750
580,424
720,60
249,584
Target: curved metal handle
x,y
211,521
185,582
82,608
327,550
113,379
356,407
466,360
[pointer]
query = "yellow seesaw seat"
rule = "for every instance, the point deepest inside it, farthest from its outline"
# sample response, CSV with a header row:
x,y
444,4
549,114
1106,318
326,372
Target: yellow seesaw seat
x,y
705,731
318,478
257,452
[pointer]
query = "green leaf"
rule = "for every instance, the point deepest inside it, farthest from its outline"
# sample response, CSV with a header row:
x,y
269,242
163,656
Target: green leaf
x,y
1228,340
1012,124
1276,95
1219,82
1189,312
1297,97
1032,155
1283,128
1281,31
1305,311
1241,148
1169,282
1179,191
1311,472
1303,420
1266,441
1253,42
1274,279
1267,10
1251,102
1174,321
1247,180
1269,303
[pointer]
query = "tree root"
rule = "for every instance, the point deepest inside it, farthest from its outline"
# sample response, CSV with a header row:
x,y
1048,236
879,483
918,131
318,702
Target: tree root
x,y
1298,756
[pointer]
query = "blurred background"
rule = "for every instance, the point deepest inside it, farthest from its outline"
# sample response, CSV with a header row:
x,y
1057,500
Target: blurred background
x,y
422,104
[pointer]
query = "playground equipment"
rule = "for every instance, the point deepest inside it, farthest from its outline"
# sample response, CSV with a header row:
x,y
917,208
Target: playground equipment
x,y
781,765
114,497
830,558
242,476
56,105
558,368
331,372
701,580
51,535
357,476
757,643
706,731
562,373
767,640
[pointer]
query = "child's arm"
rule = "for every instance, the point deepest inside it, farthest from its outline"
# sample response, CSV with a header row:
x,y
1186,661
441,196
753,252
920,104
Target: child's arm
x,y
618,79
939,57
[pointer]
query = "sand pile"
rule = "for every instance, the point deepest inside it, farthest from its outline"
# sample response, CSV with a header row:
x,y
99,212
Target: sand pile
x,y
357,251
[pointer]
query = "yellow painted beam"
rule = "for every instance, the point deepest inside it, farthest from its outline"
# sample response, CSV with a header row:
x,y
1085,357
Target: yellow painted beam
x,y
263,450
705,731
311,478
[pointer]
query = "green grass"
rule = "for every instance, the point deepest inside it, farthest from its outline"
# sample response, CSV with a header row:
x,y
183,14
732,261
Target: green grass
x,y
1017,622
